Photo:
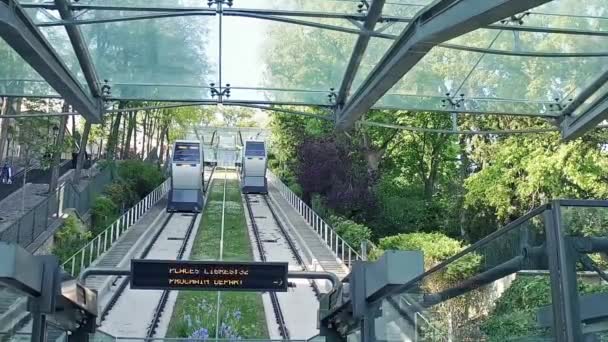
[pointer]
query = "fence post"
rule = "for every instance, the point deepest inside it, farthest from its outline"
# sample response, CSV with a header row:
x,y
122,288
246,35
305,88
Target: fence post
x,y
46,216
98,246
82,260
33,223
91,253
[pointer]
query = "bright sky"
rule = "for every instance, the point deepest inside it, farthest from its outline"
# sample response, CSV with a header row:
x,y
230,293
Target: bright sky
x,y
243,41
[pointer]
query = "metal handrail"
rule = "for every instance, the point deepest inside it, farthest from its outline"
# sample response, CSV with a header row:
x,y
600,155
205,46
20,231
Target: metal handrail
x,y
105,240
342,250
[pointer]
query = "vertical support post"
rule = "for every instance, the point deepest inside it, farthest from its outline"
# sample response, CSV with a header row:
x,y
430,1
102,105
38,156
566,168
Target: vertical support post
x,y
91,254
364,250
564,290
98,246
38,327
83,252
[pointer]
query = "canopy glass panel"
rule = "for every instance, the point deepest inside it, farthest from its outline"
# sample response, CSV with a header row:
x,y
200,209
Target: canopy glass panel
x,y
17,78
303,61
166,58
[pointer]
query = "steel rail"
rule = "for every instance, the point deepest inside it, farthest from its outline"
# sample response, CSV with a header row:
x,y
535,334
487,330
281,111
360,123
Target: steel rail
x,y
273,296
123,285
160,307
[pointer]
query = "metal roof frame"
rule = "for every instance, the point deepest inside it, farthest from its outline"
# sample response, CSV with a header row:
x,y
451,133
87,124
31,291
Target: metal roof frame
x,y
444,20
18,30
431,27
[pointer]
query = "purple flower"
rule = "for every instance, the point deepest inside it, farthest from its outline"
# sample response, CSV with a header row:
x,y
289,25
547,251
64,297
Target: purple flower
x,y
200,335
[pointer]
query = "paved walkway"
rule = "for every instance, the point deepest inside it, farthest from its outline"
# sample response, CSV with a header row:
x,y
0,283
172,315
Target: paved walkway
x,y
311,244
26,198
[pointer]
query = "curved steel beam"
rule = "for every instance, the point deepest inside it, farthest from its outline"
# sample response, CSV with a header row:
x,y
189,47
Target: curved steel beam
x,y
17,29
80,48
523,53
440,22
373,15
457,132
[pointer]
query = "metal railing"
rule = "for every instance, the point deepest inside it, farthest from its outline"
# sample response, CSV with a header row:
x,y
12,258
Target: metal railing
x,y
342,250
104,241
37,220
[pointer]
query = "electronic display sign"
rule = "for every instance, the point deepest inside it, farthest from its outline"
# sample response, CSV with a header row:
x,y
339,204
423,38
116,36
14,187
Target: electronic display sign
x,y
208,275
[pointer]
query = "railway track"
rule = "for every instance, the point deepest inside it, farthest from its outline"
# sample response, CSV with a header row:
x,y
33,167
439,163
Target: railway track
x,y
124,281
162,303
265,205
291,244
160,308
276,307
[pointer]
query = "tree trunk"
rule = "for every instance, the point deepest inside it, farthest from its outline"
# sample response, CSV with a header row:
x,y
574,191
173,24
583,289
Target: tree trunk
x,y
464,174
127,145
125,123
57,154
161,140
4,123
166,159
113,137
135,134
143,139
151,134
10,106
81,154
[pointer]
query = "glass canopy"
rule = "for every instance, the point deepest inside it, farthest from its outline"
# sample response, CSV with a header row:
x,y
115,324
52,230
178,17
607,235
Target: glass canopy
x,y
542,61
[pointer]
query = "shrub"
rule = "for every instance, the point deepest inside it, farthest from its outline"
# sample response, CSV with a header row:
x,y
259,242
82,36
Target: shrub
x,y
70,238
103,213
436,248
352,232
141,176
515,312
121,194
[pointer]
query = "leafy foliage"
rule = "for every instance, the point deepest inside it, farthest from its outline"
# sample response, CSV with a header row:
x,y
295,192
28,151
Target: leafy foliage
x,y
121,194
524,172
103,213
70,238
515,312
436,248
353,233
142,177
334,168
